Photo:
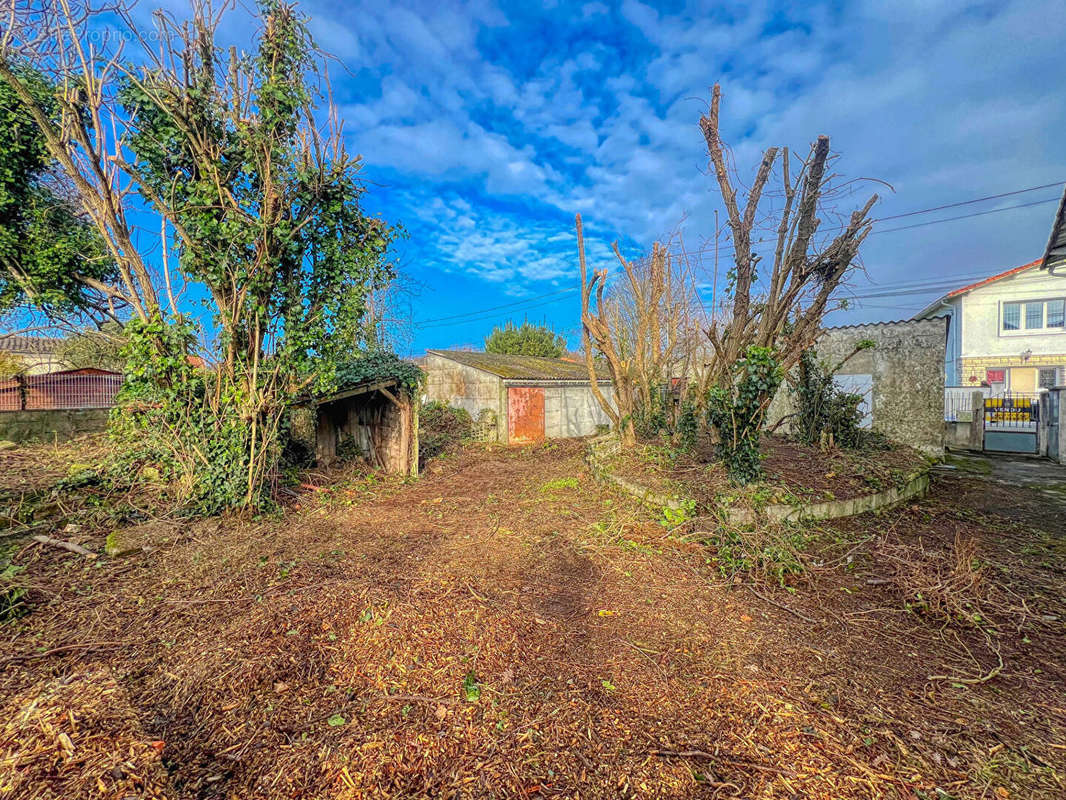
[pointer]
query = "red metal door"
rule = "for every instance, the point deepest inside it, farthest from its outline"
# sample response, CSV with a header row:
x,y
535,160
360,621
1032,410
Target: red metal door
x,y
525,415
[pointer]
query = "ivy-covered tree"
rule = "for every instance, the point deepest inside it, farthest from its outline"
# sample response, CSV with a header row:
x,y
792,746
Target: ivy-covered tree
x,y
258,202
736,409
525,340
49,252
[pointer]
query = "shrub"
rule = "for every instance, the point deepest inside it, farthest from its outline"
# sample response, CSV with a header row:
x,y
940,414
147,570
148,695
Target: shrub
x,y
828,415
736,409
440,428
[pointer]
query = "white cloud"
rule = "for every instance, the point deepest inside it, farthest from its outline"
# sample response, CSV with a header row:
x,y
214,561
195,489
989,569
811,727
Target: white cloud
x,y
944,102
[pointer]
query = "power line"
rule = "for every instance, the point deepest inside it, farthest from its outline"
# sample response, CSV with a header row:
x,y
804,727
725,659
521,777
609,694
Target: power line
x,y
731,250
424,322
906,288
488,315
970,202
967,216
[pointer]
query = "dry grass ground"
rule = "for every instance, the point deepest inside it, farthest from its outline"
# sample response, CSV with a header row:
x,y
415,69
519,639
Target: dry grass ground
x,y
506,628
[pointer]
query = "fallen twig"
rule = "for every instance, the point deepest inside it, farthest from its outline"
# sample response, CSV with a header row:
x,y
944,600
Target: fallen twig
x,y
68,546
57,650
783,607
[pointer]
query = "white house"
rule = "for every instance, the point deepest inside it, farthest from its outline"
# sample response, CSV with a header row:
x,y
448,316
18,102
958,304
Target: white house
x,y
1007,331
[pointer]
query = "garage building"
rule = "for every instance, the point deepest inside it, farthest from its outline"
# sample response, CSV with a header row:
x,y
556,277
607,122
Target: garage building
x,y
517,399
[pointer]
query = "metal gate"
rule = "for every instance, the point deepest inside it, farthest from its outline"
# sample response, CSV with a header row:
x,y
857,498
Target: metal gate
x,y
1011,423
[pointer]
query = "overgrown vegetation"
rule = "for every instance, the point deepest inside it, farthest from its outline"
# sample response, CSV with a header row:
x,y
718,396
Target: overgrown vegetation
x,y
526,339
257,203
736,409
440,428
826,414
727,373
94,348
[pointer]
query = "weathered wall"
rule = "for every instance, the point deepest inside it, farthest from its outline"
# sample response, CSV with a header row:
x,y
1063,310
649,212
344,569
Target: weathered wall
x,y
24,426
572,411
461,386
907,370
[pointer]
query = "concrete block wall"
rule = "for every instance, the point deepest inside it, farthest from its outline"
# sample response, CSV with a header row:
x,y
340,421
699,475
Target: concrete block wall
x,y
572,411
907,368
51,426
465,387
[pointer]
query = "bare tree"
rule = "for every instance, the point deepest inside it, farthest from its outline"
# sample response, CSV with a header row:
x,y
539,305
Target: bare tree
x,y
787,316
644,327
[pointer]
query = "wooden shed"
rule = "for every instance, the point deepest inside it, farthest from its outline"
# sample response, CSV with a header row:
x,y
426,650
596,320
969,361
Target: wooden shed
x,y
377,421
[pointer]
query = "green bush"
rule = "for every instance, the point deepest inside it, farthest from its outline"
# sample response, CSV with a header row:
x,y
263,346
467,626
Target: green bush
x,y
826,414
736,410
440,428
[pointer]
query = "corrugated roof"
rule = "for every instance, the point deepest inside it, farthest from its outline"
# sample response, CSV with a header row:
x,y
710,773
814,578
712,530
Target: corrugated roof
x,y
970,287
531,368
1055,255
27,344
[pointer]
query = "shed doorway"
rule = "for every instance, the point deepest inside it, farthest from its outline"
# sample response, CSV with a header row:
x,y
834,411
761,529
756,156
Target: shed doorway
x,y
525,414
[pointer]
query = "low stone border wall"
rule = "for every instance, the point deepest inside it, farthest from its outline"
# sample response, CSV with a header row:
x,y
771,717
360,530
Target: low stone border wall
x,y
603,448
51,426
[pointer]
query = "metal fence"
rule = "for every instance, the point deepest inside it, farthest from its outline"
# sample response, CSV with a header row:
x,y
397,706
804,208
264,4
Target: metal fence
x,y
60,390
958,402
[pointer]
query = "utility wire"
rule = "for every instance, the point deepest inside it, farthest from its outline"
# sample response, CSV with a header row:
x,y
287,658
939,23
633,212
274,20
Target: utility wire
x,y
495,308
475,316
967,216
970,202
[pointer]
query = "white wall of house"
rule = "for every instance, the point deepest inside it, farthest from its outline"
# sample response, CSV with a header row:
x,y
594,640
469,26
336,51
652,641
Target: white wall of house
x,y
1011,332
983,310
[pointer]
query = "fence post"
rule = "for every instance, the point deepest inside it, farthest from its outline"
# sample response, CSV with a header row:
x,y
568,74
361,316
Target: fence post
x,y
977,425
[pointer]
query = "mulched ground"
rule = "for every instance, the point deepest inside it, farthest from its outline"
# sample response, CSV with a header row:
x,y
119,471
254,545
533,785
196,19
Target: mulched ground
x,y
791,467
505,627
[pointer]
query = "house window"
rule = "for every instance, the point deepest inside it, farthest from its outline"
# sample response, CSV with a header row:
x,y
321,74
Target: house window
x,y
1035,315
1055,313
1047,379
1012,316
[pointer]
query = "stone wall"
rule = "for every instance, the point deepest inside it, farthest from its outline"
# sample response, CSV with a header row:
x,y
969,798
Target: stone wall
x,y
906,366
51,426
461,386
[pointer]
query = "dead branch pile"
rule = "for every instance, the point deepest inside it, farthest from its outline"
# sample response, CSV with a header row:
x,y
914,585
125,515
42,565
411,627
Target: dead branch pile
x,y
947,582
75,737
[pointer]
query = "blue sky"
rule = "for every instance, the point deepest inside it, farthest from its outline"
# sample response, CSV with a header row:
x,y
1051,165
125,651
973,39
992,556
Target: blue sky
x,y
485,127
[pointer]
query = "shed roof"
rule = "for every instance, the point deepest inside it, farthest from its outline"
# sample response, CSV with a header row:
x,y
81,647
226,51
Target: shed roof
x,y
1054,259
27,344
531,368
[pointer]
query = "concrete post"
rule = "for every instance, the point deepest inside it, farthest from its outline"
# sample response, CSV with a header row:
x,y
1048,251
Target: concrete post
x,y
1043,425
977,424
1059,431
